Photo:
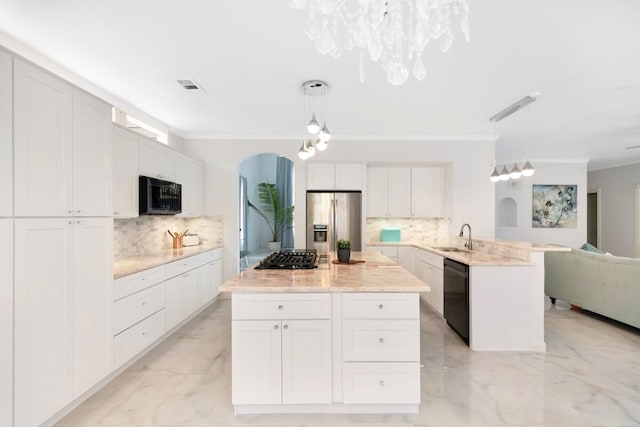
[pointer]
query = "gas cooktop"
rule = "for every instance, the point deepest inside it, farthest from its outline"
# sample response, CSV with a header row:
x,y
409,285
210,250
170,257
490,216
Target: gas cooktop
x,y
289,259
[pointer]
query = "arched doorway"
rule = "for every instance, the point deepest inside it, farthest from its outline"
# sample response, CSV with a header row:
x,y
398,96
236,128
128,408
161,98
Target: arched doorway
x,y
255,232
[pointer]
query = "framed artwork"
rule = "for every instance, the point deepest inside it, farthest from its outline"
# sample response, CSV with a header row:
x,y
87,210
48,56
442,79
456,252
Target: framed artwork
x,y
555,206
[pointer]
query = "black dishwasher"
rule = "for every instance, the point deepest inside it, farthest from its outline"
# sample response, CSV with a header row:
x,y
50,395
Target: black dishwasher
x,y
456,297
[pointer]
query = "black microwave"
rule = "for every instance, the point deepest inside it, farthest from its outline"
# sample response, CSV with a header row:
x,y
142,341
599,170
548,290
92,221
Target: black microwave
x,y
158,197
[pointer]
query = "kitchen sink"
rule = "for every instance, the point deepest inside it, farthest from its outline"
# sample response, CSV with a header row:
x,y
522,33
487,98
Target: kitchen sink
x,y
450,249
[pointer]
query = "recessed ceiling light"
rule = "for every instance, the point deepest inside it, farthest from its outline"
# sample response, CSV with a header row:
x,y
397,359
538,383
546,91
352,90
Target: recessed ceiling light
x,y
189,84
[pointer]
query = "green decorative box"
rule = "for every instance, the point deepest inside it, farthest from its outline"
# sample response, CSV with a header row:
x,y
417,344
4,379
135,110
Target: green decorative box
x,y
390,234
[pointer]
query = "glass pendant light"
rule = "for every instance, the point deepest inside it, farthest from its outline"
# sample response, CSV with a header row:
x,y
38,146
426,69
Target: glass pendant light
x,y
515,172
310,147
527,169
504,174
495,176
313,127
325,135
321,145
302,152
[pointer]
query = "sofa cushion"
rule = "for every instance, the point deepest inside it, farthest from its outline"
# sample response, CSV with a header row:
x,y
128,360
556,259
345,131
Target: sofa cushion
x,y
589,247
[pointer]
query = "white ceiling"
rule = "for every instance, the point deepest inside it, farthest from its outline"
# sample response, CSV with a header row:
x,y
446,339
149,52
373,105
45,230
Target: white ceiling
x,y
251,56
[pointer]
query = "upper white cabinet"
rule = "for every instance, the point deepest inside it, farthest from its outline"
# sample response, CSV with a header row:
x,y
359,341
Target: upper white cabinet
x,y
125,173
157,160
334,176
43,142
92,161
62,154
405,192
6,137
388,192
427,191
189,173
6,322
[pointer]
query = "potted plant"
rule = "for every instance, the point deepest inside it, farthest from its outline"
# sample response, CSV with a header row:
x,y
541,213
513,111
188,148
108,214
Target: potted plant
x,y
279,218
344,250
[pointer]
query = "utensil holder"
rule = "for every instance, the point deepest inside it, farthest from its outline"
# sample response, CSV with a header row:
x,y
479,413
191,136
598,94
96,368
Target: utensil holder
x,y
177,242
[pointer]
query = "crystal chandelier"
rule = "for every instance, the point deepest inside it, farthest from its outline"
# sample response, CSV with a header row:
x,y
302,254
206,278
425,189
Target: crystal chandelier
x,y
390,30
314,137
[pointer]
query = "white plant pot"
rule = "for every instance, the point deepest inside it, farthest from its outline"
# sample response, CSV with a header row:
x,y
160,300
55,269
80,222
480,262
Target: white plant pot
x,y
273,246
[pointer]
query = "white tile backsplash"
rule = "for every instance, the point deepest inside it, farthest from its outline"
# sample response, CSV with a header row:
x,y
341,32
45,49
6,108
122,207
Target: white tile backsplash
x,y
148,234
423,230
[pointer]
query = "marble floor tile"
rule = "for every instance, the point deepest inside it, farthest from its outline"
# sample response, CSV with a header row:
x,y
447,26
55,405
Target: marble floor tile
x,y
587,377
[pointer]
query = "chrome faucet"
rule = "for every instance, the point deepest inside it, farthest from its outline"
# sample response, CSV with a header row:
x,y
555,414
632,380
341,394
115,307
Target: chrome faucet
x,y
469,243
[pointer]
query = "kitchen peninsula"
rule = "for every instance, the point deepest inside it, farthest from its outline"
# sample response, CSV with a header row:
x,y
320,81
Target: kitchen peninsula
x,y
341,339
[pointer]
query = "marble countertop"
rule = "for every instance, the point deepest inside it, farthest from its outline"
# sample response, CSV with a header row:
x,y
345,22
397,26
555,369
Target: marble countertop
x,y
377,274
125,266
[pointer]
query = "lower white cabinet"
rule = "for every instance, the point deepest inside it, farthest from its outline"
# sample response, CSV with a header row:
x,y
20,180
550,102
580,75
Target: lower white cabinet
x,y
6,321
61,316
429,269
181,298
281,361
390,252
138,337
210,279
381,383
407,258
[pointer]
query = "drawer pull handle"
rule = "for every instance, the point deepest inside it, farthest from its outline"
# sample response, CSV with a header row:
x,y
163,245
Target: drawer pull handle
x,y
286,326
381,340
381,306
144,333
381,383
144,303
275,326
280,307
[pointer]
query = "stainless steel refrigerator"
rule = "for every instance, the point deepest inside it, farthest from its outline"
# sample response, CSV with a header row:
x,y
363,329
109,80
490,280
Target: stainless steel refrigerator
x,y
332,216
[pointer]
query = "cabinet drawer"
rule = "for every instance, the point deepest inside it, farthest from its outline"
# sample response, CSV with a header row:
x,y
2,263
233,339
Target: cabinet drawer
x,y
380,306
381,382
132,309
176,268
133,283
280,306
209,256
381,340
135,339
430,258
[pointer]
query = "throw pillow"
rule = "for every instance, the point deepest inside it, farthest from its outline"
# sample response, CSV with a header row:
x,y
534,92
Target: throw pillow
x,y
589,247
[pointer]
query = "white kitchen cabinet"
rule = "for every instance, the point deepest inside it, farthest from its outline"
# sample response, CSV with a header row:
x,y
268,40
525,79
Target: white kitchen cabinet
x,y
334,176
137,338
256,368
63,313
427,192
43,142
407,258
6,136
380,348
92,302
157,160
6,322
125,173
405,192
92,158
390,252
43,376
429,269
286,356
388,192
209,280
181,298
189,173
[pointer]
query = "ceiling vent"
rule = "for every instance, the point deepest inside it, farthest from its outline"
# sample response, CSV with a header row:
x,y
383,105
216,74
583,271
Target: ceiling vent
x,y
189,84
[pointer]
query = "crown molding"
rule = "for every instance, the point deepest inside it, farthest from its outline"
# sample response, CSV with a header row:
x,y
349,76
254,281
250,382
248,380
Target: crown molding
x,y
380,138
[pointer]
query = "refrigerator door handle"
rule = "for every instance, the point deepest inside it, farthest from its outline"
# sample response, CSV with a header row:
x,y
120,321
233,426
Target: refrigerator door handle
x,y
334,204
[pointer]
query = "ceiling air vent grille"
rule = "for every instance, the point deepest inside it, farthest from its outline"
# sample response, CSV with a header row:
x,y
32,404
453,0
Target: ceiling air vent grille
x,y
189,84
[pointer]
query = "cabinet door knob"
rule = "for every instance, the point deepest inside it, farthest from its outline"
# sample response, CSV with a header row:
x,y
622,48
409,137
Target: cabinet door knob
x,y
286,326
381,306
280,307
69,211
275,326
78,211
381,340
381,383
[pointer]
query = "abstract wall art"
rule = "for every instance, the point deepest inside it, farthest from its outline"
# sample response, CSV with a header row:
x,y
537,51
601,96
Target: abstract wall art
x,y
555,206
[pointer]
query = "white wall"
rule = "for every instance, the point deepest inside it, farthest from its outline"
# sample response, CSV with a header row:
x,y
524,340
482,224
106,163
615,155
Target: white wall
x,y
567,173
472,195
617,204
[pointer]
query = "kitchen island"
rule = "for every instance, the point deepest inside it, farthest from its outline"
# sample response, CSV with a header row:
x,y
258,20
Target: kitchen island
x,y
336,339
